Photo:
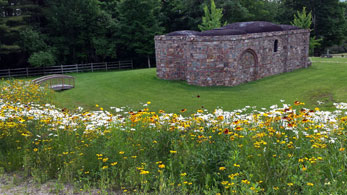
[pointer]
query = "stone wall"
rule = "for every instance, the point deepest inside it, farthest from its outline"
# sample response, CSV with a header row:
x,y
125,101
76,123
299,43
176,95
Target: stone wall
x,y
230,60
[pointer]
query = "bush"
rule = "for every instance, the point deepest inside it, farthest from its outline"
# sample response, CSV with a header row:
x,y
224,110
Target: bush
x,y
42,58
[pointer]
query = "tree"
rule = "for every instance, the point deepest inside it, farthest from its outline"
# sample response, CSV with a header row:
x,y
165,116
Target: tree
x,y
328,21
212,18
42,58
80,31
172,15
137,26
32,41
14,18
304,20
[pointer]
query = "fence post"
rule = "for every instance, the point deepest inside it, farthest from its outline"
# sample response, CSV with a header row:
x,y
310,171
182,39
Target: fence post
x,y
106,66
27,71
9,73
91,64
62,69
118,65
76,67
132,64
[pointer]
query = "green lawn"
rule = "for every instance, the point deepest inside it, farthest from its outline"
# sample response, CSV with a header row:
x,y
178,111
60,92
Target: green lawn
x,y
326,81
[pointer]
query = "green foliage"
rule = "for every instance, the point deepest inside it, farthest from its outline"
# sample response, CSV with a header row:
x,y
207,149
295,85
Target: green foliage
x,y
100,30
42,58
173,16
212,18
80,30
3,3
32,41
302,19
314,43
13,23
138,23
329,22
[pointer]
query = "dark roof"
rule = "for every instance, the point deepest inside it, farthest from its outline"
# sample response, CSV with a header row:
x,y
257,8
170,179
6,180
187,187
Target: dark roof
x,y
183,33
238,28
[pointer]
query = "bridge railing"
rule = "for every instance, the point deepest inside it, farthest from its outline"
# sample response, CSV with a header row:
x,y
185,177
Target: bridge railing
x,y
56,81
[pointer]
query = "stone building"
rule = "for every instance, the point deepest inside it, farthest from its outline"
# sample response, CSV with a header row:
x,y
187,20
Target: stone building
x,y
231,55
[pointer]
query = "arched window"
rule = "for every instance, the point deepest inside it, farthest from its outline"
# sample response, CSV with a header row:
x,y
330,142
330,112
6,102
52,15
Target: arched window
x,y
276,46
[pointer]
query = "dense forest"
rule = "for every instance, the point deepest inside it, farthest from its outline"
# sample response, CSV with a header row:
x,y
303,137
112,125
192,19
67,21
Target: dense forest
x,y
48,32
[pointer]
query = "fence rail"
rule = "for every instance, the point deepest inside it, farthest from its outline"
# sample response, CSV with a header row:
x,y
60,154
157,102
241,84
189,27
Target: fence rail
x,y
63,69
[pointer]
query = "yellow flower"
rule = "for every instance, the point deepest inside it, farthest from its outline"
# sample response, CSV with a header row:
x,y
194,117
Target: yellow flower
x,y
222,168
35,149
342,149
245,181
304,168
162,166
173,151
183,174
143,172
236,165
276,188
104,167
290,184
224,182
105,160
310,184
149,102
114,163
121,152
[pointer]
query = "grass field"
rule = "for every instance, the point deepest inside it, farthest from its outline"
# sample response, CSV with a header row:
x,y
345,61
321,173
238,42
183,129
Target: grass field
x,y
324,81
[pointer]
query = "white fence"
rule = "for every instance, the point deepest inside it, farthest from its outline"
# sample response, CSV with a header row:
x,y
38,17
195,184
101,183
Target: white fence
x,y
62,69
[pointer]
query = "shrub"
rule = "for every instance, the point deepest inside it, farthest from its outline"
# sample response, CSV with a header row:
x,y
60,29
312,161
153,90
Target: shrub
x,y
42,58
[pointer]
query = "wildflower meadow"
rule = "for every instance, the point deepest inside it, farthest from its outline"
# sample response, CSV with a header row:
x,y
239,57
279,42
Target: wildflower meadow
x,y
284,149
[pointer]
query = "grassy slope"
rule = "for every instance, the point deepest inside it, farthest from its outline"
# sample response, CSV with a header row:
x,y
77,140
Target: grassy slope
x,y
324,81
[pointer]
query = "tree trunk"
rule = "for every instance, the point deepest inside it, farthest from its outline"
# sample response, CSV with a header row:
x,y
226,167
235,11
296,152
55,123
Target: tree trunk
x,y
149,61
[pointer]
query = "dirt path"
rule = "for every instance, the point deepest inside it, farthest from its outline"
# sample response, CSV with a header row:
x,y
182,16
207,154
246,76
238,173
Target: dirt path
x,y
16,184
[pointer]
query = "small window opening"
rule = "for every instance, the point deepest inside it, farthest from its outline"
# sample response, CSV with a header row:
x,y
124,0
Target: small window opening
x,y
276,46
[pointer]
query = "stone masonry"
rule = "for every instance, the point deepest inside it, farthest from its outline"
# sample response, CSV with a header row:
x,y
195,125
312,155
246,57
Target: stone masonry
x,y
230,60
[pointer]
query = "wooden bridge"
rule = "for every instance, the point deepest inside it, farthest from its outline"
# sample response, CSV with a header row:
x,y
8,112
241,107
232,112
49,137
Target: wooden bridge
x,y
56,82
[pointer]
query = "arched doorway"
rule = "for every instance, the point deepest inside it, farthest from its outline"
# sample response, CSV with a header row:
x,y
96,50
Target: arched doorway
x,y
248,63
